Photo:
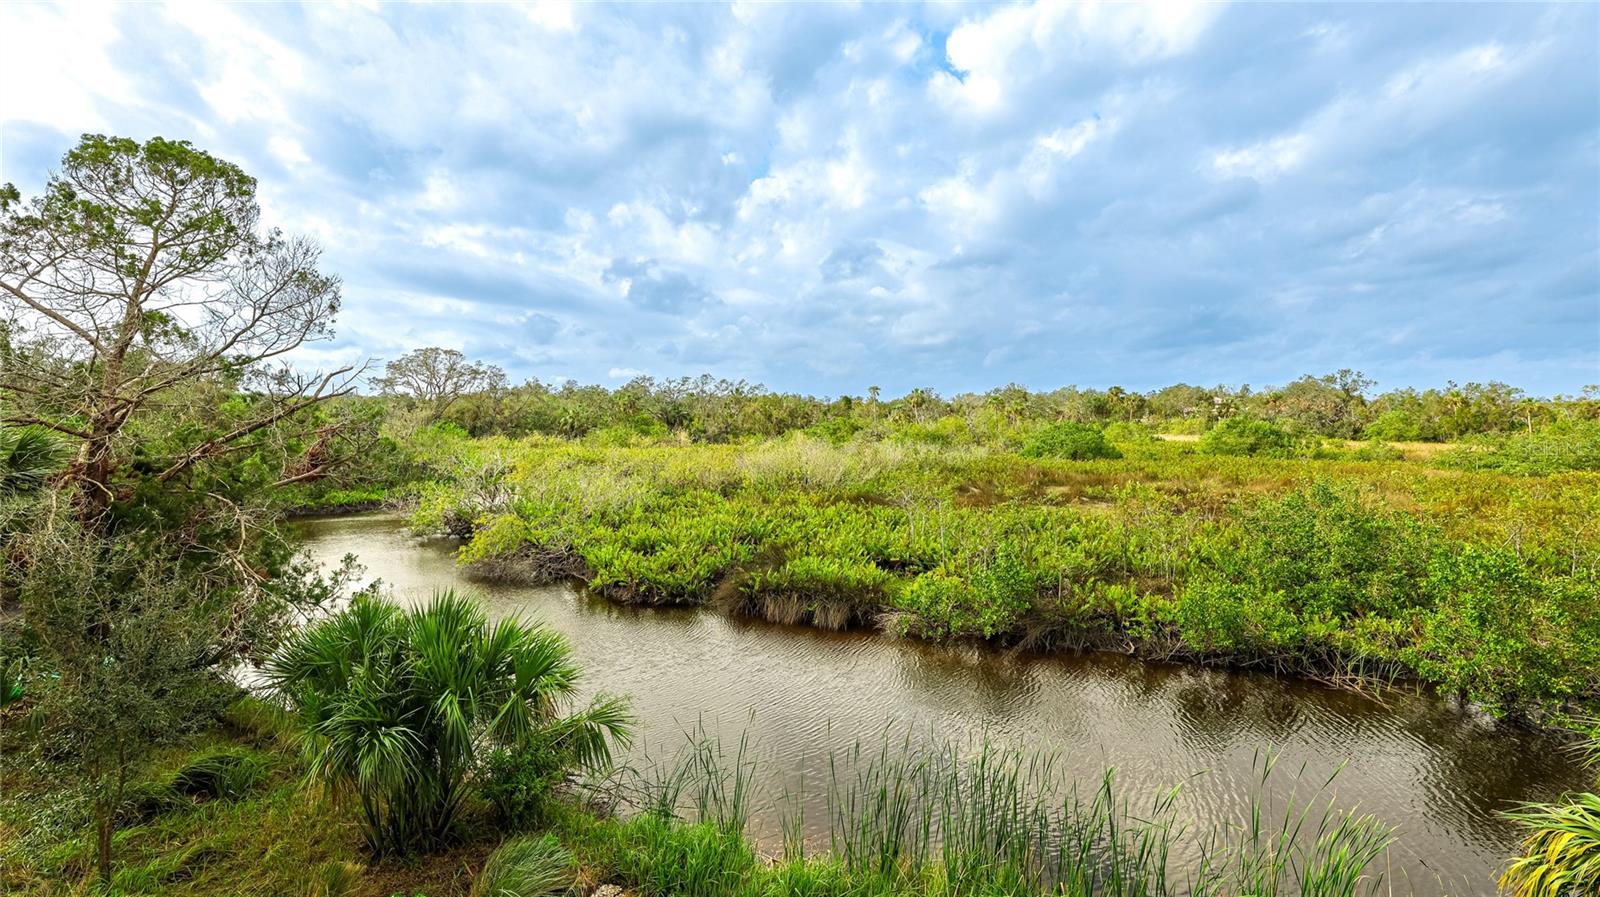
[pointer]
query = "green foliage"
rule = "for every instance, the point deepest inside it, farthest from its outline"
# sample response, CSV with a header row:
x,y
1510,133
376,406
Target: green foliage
x,y
1072,441
12,689
1561,854
838,429
974,819
160,402
1396,425
1186,426
519,779
527,867
1123,431
1560,446
663,858
1248,436
28,455
1320,566
396,707
1504,637
1374,450
138,649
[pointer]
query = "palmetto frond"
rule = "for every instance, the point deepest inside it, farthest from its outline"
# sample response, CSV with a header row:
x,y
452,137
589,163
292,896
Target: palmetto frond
x,y
395,705
28,456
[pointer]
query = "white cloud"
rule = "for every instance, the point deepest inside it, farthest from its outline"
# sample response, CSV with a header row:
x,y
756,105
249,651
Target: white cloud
x,y
55,68
555,15
997,53
794,192
1263,161
288,150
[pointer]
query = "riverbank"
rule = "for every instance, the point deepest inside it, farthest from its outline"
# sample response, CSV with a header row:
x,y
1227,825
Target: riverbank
x,y
227,812
1360,572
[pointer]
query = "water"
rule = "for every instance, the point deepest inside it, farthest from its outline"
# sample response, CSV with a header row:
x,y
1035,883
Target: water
x,y
1438,774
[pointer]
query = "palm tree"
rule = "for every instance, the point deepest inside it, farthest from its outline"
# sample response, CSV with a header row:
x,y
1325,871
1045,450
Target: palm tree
x,y
28,455
396,707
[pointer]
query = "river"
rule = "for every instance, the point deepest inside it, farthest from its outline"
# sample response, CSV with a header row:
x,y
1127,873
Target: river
x,y
1437,773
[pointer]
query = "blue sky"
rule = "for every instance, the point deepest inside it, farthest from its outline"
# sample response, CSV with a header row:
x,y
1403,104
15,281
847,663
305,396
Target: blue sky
x,y
827,197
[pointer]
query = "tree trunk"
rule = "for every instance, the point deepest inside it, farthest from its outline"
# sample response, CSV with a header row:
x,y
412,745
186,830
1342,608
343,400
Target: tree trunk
x,y
102,831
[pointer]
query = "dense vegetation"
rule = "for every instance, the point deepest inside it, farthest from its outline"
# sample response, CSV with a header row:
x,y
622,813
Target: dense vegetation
x,y
1325,564
148,453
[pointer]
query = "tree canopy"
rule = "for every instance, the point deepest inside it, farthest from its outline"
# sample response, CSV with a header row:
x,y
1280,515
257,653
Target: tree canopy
x,y
138,275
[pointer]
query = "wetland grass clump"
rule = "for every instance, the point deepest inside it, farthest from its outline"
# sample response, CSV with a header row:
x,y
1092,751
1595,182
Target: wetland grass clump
x,y
527,866
977,819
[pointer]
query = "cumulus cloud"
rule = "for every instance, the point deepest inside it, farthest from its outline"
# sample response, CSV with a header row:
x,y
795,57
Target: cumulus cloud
x,y
826,197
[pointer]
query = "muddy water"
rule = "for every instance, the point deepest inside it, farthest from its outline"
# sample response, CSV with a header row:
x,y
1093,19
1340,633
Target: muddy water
x,y
1436,773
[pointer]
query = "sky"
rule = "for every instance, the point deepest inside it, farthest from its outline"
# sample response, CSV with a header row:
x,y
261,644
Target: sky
x,y
826,197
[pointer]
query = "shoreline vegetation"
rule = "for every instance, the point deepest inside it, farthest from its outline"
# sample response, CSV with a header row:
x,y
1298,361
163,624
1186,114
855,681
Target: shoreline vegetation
x,y
1357,572
240,809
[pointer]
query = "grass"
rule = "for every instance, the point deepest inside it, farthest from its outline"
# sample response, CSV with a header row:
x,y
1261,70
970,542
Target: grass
x,y
1471,579
961,819
526,866
964,819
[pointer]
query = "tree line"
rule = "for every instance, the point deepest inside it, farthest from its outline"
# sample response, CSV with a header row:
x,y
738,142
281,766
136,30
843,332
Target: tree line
x,y
443,385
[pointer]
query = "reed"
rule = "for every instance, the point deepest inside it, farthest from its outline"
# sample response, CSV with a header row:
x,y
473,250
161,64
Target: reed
x,y
958,818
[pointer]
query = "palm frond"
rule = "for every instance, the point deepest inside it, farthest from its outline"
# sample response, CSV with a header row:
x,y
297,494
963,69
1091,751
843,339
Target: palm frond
x,y
28,456
395,705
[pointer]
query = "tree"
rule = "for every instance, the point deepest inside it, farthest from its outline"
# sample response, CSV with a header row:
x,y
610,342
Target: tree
x,y
397,706
133,646
1247,436
436,378
139,272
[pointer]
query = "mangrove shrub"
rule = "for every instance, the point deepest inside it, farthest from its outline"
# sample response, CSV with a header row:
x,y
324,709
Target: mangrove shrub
x,y
1072,441
1248,436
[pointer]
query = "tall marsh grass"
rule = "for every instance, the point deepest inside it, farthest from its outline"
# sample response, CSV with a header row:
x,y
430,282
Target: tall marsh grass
x,y
982,819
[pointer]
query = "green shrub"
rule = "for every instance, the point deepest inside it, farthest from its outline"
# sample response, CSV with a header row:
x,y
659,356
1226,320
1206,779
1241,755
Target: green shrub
x,y
1375,450
518,780
637,430
1072,441
1561,446
144,801
1126,431
395,705
1504,637
837,430
527,867
1395,425
1248,436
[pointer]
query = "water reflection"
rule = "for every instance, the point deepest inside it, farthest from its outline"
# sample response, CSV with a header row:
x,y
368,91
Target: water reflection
x,y
1413,761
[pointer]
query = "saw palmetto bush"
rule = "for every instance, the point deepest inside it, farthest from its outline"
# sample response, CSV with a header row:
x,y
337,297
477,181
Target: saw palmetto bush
x,y
396,706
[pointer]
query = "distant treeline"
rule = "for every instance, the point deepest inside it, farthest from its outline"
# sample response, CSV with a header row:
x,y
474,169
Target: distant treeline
x,y
1340,405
